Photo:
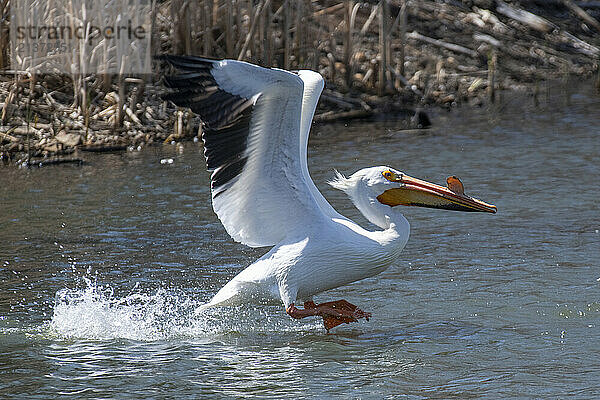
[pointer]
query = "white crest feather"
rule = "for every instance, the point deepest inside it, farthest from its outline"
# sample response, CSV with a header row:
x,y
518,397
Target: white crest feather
x,y
340,182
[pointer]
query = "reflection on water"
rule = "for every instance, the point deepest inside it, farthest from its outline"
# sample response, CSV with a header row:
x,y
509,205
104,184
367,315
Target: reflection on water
x,y
103,266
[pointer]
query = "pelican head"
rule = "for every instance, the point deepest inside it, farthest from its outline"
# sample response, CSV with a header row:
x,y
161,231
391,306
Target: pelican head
x,y
377,189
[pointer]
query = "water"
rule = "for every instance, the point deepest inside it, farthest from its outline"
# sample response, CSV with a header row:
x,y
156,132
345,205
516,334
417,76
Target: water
x,y
102,267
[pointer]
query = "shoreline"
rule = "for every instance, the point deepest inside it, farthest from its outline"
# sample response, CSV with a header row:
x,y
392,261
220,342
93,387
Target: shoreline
x,y
509,101
69,148
435,55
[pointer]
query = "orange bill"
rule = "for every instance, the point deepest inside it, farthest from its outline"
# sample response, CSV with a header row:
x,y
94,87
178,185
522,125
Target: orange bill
x,y
420,193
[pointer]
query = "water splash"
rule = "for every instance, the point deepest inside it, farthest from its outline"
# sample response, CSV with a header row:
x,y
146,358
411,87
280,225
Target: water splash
x,y
95,312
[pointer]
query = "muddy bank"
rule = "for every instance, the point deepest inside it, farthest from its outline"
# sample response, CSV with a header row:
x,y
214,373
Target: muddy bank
x,y
378,58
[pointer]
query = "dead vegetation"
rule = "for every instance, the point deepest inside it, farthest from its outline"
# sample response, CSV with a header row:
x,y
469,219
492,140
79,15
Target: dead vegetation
x,y
376,56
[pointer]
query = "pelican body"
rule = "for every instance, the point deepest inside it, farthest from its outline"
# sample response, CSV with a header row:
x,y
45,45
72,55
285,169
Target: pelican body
x,y
256,123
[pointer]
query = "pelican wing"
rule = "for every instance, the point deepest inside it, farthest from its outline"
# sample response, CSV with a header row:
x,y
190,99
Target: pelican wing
x,y
255,132
313,86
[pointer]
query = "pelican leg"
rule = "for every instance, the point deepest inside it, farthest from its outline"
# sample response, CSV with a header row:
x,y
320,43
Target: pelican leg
x,y
334,313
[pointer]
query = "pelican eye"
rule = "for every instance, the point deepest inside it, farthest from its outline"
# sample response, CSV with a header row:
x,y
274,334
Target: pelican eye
x,y
390,176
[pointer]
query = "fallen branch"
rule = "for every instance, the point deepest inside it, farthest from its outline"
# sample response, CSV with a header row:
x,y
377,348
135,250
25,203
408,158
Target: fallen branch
x,y
332,116
338,102
328,10
343,101
580,45
480,37
5,136
525,17
581,13
132,116
449,46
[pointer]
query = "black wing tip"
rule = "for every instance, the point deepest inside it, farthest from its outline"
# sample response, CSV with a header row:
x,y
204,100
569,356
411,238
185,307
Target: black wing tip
x,y
186,62
188,76
176,57
225,117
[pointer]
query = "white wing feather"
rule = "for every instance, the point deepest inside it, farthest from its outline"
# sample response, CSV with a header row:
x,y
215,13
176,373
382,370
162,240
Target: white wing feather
x,y
272,197
313,86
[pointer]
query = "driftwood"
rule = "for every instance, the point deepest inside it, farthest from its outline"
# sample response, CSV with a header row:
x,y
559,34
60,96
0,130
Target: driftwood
x,y
9,138
525,17
542,25
581,13
336,101
480,37
329,10
333,116
580,45
449,46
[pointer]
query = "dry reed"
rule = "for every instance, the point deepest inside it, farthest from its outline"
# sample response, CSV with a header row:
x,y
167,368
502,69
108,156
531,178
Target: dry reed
x,y
362,48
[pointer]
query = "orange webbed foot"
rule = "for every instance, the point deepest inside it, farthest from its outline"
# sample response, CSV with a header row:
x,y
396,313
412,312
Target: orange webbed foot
x,y
334,313
338,312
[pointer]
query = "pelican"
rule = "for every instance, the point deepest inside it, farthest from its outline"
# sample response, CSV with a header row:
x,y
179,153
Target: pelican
x,y
256,123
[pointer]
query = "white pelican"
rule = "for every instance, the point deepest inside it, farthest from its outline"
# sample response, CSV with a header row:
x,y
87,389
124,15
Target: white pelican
x,y
256,123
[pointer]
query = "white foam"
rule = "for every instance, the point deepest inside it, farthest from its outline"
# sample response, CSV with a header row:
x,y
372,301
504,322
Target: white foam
x,y
95,312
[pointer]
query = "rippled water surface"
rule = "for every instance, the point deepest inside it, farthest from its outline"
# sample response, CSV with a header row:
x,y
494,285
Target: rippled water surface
x,y
102,267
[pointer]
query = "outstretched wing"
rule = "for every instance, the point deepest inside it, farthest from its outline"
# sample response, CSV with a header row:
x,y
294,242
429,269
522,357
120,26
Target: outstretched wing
x,y
252,142
313,86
